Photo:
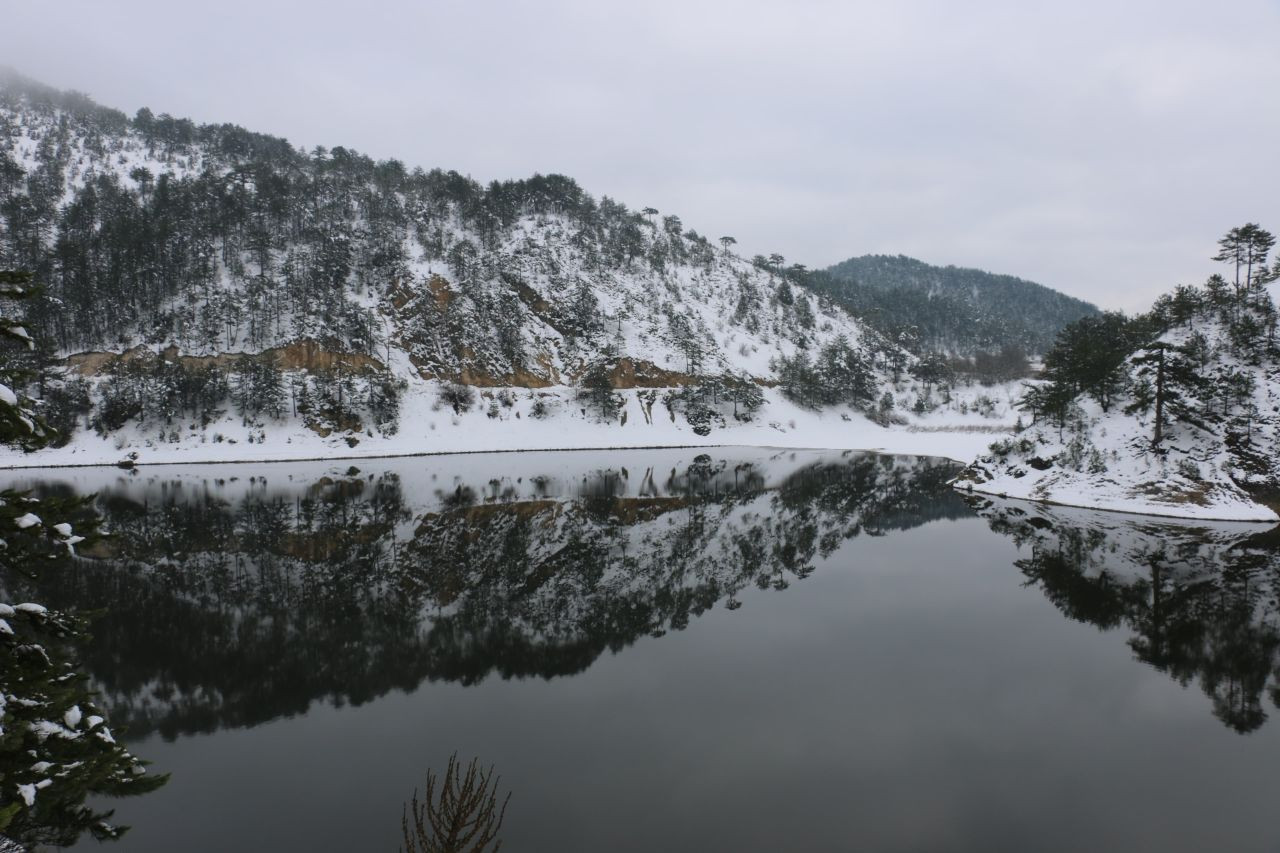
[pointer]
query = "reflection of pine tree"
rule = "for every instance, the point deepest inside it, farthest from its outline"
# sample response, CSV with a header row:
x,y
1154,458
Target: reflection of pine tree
x,y
1197,610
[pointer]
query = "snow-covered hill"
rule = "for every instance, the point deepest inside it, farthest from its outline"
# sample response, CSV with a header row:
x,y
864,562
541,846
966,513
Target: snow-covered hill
x,y
213,294
1211,376
371,297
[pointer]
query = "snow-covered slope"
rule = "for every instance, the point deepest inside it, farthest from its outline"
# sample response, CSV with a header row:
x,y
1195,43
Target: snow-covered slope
x,y
366,293
1219,451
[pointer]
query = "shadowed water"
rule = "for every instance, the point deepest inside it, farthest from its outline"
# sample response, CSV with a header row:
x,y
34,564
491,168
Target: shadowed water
x,y
664,650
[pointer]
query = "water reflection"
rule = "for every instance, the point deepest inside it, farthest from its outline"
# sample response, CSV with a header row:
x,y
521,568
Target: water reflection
x,y
1198,600
910,675
232,603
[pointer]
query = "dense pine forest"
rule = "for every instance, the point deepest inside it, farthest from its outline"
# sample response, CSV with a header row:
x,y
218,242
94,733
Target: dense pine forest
x,y
953,310
189,270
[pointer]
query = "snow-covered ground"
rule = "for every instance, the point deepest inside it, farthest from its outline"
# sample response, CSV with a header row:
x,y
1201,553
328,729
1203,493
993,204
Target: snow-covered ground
x,y
1125,476
1106,459
427,426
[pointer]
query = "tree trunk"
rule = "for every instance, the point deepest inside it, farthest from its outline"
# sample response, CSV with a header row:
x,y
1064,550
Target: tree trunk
x,y
1159,429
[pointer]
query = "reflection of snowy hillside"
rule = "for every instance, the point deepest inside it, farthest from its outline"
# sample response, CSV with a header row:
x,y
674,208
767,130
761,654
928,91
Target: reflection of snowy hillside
x,y
1198,599
306,581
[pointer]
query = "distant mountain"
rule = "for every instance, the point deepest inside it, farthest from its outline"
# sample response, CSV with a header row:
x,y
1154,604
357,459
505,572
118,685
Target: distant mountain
x,y
952,310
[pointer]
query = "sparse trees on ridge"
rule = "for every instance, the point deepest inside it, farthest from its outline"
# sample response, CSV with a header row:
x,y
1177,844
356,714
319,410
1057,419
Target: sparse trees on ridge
x,y
1157,362
1246,248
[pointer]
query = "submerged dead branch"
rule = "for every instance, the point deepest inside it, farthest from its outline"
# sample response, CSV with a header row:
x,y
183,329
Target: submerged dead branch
x,y
462,817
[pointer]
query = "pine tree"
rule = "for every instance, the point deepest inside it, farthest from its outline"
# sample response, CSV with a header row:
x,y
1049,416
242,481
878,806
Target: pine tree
x,y
1246,247
685,337
799,380
46,776
259,388
595,388
1169,384
1052,400
584,310
744,393
19,424
844,374
1089,356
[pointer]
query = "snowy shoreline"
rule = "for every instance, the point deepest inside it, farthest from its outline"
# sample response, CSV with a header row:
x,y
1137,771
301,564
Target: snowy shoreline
x,y
429,429
1136,508
959,443
895,449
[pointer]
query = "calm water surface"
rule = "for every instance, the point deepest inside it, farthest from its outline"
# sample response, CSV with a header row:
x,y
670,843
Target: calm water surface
x,y
661,650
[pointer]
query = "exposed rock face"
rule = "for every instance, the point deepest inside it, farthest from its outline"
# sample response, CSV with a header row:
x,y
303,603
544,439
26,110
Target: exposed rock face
x,y
305,354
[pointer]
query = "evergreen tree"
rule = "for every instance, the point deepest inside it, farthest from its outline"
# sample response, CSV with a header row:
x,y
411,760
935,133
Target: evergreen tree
x,y
1246,247
55,748
745,395
683,335
595,388
1089,356
584,310
19,424
1051,400
844,375
799,381
1169,384
259,388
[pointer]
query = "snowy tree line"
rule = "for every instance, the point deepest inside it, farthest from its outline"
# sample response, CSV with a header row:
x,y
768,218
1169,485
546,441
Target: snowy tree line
x,y
1118,360
171,396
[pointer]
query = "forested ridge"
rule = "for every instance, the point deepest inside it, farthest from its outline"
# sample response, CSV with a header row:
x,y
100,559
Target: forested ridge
x,y
178,248
952,310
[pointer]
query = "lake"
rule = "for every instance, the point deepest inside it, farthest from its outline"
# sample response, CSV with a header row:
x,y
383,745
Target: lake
x,y
725,649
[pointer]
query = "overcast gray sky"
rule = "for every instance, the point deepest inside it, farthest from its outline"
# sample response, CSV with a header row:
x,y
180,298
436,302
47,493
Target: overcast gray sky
x,y
1097,147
